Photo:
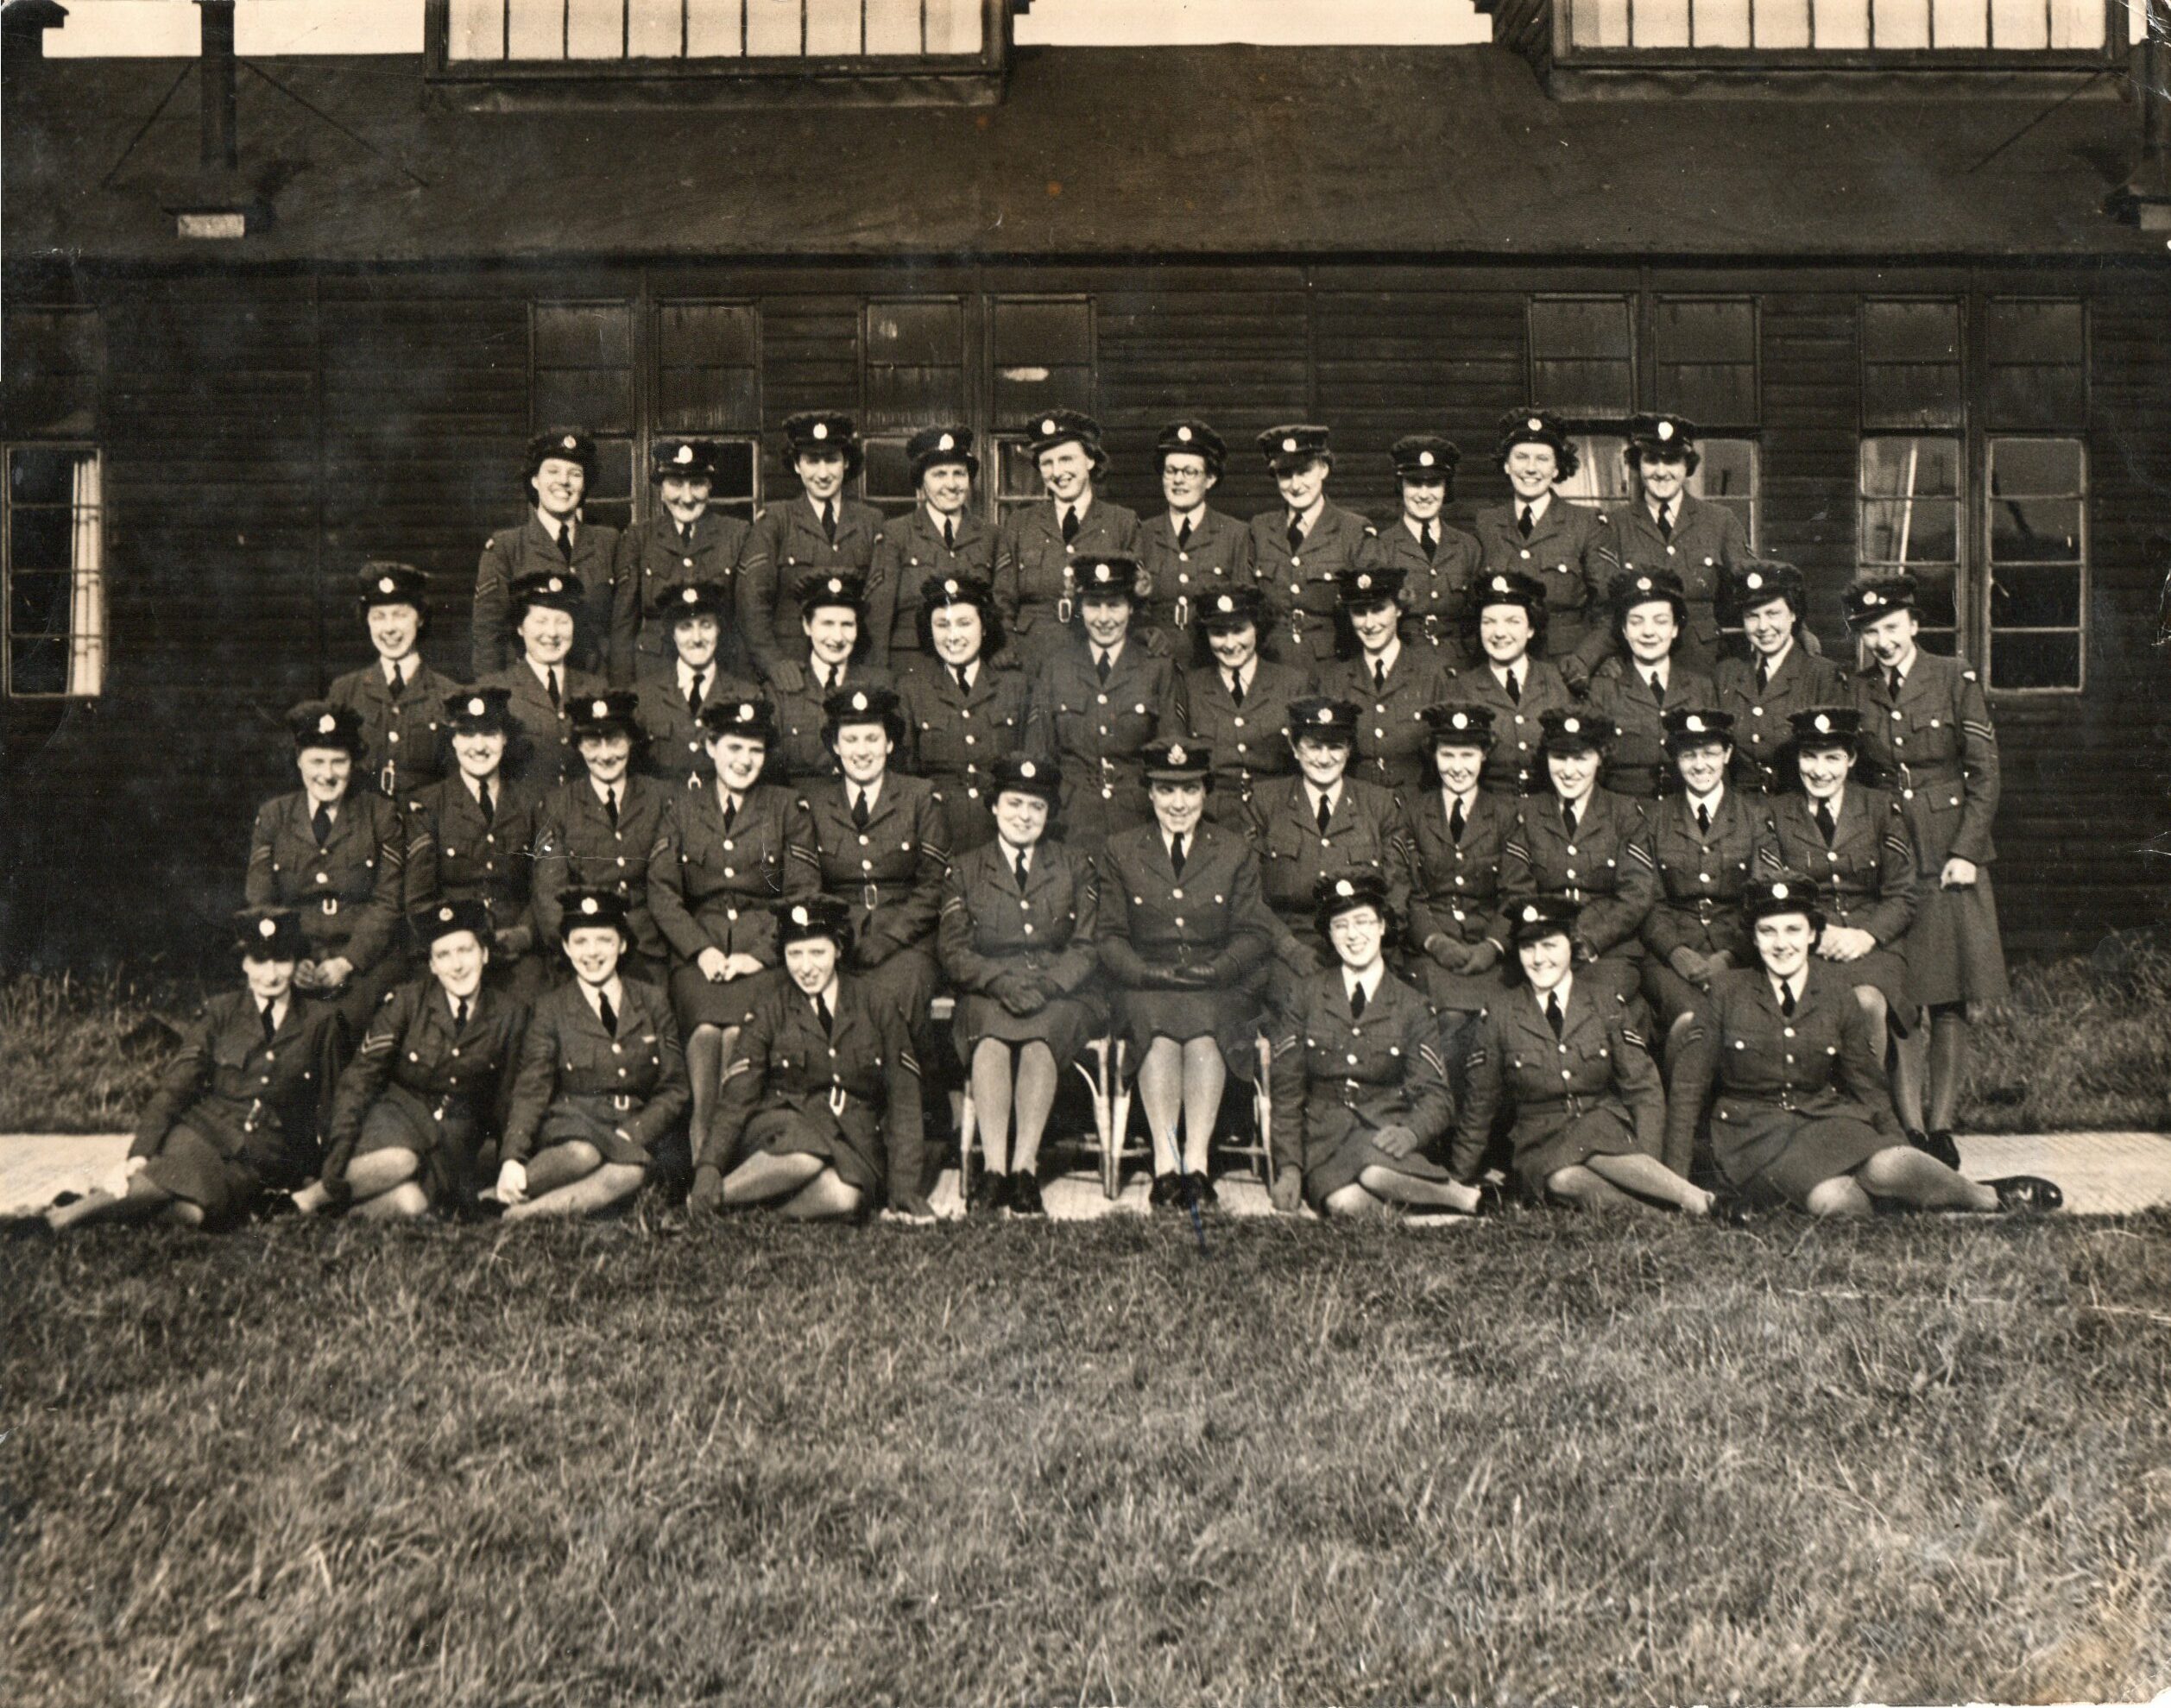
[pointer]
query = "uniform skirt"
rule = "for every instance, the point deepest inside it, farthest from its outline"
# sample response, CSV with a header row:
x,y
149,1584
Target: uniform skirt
x,y
447,1148
1354,1152
1954,953
1783,1157
1064,1024
1458,992
783,1130
1668,993
729,1002
1884,970
359,998
971,822
1545,1143
1230,1018
590,1120
194,1168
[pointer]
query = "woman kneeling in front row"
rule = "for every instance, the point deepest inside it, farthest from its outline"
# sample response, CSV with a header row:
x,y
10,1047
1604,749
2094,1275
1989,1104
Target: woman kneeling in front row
x,y
822,1096
1587,1109
1360,1091
602,1078
1801,1115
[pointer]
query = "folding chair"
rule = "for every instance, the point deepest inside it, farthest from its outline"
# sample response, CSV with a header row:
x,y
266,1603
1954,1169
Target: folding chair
x,y
1259,1152
1111,1111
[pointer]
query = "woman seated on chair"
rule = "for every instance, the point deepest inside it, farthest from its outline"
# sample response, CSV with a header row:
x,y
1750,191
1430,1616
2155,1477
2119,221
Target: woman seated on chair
x,y
822,1095
237,1115
1017,943
1586,1113
1183,935
1783,1058
1360,1094
431,1082
602,1080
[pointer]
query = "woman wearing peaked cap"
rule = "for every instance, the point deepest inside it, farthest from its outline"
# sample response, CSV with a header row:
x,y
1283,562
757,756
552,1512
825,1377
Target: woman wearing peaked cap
x,y
1304,544
431,1082
1458,934
1585,1103
1512,680
238,1113
1238,705
1854,839
1926,727
675,690
833,642
601,1084
822,1095
1438,563
1389,682
684,544
1188,554
1359,1091
1556,541
555,539
471,838
963,711
1784,1060
1644,682
1704,839
941,540
1783,673
399,699
541,687
1040,561
605,829
819,534
1183,935
335,853
1017,942
714,896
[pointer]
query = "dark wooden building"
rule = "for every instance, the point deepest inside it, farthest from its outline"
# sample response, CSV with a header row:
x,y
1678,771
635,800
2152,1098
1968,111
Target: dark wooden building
x,y
264,321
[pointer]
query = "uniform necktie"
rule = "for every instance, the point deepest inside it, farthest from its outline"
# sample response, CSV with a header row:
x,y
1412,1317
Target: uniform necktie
x,y
488,802
700,687
1184,536
1456,819
1764,672
1703,819
1570,817
1666,520
320,821
1514,683
1525,522
1296,535
271,1026
1786,1000
1553,1018
1357,1000
609,1013
557,695
859,809
1176,856
1892,681
730,813
1429,540
686,534
1651,681
949,534
1326,814
963,686
1236,690
399,682
610,803
823,1013
1380,676
459,1015
1017,866
1070,523
565,542
1826,822
828,521
1101,664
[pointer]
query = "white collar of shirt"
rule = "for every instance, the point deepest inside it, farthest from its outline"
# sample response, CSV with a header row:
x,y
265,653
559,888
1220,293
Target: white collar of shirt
x,y
276,1009
1240,677
605,791
971,668
474,787
401,671
1013,856
1836,806
827,993
452,1003
1083,504
819,668
1469,801
553,526
686,674
1796,984
820,506
1307,520
1112,654
1537,506
1190,840
1772,661
1710,803
1351,980
1564,990
1661,514
615,990
936,519
1389,655
1905,670
1662,670
544,672
1316,795
872,790
1416,528
1195,517
1519,670
330,807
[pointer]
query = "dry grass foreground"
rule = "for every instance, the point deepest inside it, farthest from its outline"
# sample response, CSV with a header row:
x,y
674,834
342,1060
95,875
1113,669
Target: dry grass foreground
x,y
1537,1459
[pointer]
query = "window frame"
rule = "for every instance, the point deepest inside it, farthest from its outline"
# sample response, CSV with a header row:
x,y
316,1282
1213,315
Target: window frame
x,y
638,403
1565,51
95,451
2083,568
1002,431
901,504
648,364
1966,558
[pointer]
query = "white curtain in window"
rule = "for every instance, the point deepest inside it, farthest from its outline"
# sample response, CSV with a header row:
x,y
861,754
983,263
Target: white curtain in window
x,y
87,603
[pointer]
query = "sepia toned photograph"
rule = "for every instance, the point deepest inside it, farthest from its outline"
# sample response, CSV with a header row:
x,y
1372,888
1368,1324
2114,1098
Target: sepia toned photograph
x,y
1225,852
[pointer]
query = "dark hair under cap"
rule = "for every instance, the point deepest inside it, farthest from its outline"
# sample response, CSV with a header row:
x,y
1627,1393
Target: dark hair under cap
x,y
1534,426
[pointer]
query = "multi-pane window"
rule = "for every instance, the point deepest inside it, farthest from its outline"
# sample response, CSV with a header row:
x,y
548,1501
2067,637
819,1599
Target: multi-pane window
x,y
607,30
1704,360
1911,362
2037,351
53,554
1042,356
581,375
1856,26
708,383
915,352
1909,495
2038,500
1583,355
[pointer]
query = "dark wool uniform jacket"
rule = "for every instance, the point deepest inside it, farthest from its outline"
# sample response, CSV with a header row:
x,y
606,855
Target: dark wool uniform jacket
x,y
890,873
1365,831
402,754
1394,743
990,926
1638,762
1248,742
1217,558
1211,920
1332,1073
911,553
1096,730
264,1105
716,887
678,752
652,556
952,734
635,1079
787,545
1762,732
349,891
1934,747
1701,874
542,751
454,853
1033,562
529,550
577,845
1866,874
1457,888
1597,1063
1708,542
464,1072
1514,765
1435,591
1302,593
1568,552
1607,868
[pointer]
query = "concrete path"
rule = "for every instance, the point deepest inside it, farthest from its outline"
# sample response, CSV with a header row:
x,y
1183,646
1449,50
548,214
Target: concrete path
x,y
2102,1174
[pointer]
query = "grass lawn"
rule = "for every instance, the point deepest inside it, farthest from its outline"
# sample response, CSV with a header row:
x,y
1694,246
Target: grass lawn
x,y
1537,1459
2083,1043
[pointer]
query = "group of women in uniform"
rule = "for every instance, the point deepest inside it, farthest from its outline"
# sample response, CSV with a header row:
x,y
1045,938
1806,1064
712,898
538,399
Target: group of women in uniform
x,y
1484,847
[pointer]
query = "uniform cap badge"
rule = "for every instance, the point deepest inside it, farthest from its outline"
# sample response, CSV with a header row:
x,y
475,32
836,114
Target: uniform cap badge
x,y
1753,580
1573,726
1324,715
385,583
1027,768
798,916
326,724
820,430
444,915
1824,724
1537,425
1665,430
946,443
1289,444
1047,425
570,442
599,709
859,702
1182,435
1529,916
1424,459
588,904
691,596
744,710
950,588
1779,890
684,454
477,706
1177,755
557,585
267,927
1344,887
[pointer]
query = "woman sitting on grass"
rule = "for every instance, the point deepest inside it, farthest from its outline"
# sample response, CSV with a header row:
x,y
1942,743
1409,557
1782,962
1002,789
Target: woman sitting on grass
x,y
238,1113
1360,1091
1801,1114
431,1080
822,1094
601,1080
1585,1108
